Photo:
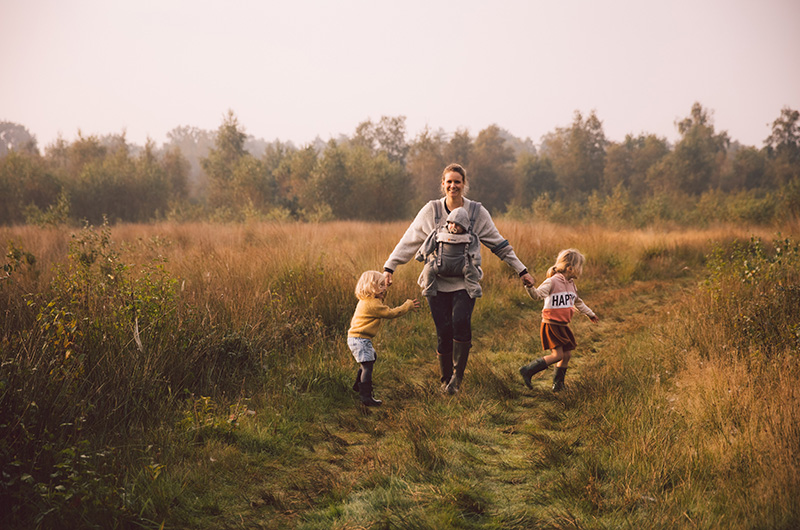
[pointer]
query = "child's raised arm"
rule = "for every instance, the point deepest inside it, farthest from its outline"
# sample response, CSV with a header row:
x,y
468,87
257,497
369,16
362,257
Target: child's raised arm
x,y
384,311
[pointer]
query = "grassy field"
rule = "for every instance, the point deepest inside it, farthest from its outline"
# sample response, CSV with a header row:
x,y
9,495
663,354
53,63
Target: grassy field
x,y
197,376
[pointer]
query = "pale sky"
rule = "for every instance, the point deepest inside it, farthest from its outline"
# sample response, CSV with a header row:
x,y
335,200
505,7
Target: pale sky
x,y
297,69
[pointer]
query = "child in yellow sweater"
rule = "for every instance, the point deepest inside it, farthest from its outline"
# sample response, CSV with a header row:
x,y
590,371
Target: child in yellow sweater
x,y
370,291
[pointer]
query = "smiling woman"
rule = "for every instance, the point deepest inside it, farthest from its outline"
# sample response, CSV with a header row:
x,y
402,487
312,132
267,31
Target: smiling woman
x,y
452,305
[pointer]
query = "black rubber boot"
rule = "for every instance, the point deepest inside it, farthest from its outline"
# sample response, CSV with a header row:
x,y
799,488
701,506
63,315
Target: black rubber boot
x,y
445,367
365,389
529,370
558,379
358,381
460,356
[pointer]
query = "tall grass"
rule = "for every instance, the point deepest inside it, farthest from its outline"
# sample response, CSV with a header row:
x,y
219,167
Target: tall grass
x,y
197,376
694,420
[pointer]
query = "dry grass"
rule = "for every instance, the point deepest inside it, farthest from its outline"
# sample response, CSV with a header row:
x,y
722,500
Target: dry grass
x,y
239,414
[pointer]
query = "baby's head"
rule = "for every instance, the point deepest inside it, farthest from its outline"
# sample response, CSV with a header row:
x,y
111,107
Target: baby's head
x,y
455,228
458,221
371,284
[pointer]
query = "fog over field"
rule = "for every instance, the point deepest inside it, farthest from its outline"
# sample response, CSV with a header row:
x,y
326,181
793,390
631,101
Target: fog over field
x,y
299,70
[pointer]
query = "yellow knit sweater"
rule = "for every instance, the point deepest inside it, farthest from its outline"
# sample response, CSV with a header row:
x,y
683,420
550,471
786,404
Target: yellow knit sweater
x,y
368,315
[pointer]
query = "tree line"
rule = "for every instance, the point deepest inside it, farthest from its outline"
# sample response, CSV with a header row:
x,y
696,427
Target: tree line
x,y
378,174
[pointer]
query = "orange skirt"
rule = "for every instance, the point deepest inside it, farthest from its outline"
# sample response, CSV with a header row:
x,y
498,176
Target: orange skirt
x,y
554,336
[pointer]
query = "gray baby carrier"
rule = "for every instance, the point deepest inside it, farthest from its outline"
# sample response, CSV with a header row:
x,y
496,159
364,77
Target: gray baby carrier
x,y
450,252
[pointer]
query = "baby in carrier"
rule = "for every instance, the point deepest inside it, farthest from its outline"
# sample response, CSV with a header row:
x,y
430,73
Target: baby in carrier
x,y
452,250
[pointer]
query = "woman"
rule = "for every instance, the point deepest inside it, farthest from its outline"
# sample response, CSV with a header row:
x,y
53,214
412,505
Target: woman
x,y
452,306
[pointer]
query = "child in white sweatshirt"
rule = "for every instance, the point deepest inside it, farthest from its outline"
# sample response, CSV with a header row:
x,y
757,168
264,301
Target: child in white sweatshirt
x,y
560,301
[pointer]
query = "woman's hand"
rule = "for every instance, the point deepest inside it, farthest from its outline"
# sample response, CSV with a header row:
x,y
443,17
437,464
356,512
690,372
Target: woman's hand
x,y
387,276
528,280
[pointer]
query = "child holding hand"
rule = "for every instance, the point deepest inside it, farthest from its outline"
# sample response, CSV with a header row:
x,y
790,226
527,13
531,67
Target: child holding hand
x,y
370,310
560,301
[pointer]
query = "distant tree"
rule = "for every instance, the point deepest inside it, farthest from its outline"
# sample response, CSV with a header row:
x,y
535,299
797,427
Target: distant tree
x,y
72,158
696,164
274,153
237,179
746,170
459,149
15,137
785,136
388,136
104,183
194,144
118,188
425,163
177,169
649,150
783,147
619,165
533,176
518,146
578,154
253,185
490,173
159,179
222,160
627,163
333,183
391,136
293,179
364,136
84,173
381,186
25,181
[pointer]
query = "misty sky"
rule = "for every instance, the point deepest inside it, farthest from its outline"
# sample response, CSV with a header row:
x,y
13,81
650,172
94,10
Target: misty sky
x,y
296,69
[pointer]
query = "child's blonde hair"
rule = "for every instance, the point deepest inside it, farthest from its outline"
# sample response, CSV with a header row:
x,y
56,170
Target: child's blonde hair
x,y
567,258
368,285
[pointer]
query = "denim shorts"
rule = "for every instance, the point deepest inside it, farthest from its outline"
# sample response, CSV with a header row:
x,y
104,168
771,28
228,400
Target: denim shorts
x,y
362,349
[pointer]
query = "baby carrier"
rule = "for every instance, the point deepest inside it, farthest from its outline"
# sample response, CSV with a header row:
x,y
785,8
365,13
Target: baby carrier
x,y
452,252
451,255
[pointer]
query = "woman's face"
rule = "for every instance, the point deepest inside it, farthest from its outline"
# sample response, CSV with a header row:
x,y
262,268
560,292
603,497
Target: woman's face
x,y
453,184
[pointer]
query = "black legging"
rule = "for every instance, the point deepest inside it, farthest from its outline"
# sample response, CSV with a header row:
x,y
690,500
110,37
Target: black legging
x,y
366,371
452,315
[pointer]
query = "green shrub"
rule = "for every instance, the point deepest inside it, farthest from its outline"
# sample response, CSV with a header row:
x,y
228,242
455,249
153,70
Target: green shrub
x,y
755,295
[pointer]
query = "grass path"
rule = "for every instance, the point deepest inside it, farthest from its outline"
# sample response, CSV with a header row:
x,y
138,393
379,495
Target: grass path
x,y
498,455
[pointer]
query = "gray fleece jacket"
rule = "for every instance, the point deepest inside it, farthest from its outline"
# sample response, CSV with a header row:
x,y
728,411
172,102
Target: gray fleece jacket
x,y
424,224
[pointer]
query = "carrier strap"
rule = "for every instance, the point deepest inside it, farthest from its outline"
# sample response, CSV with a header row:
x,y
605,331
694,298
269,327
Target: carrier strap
x,y
474,208
438,212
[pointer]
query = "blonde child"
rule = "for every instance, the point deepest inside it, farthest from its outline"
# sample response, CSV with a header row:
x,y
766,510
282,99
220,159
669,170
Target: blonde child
x,y
560,301
370,291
